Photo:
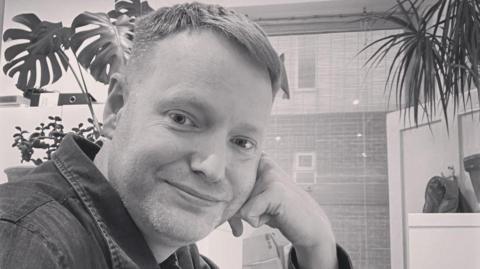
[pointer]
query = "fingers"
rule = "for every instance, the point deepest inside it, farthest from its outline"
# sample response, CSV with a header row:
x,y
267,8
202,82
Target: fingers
x,y
260,209
269,171
264,164
236,225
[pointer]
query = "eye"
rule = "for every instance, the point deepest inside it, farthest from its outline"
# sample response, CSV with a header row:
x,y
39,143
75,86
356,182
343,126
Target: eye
x,y
244,143
180,118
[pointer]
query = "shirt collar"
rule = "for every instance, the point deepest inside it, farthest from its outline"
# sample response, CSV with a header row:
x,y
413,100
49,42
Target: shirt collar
x,y
74,159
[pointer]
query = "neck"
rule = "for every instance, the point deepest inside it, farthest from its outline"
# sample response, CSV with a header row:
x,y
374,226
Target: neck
x,y
101,160
160,250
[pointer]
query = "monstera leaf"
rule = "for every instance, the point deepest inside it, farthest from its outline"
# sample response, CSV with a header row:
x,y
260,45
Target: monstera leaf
x,y
111,45
131,8
44,42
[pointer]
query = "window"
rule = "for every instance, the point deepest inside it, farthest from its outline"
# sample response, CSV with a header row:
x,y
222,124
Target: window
x,y
305,177
306,63
305,168
337,110
305,161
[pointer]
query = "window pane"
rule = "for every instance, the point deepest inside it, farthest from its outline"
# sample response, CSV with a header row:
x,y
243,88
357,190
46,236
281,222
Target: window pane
x,y
305,161
342,120
306,62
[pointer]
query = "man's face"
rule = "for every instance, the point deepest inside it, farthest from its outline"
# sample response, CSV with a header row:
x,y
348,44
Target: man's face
x,y
188,138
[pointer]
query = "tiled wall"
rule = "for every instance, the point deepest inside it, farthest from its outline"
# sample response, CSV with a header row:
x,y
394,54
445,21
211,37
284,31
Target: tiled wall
x,y
351,167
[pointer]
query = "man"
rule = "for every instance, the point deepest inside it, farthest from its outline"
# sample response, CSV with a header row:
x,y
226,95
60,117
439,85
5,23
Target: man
x,y
184,123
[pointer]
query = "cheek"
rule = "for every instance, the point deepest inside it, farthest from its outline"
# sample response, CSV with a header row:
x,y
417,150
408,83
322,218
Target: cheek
x,y
137,157
243,182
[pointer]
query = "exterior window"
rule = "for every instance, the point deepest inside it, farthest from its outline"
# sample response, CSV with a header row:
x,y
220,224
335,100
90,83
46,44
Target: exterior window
x,y
305,168
306,63
305,177
337,110
305,161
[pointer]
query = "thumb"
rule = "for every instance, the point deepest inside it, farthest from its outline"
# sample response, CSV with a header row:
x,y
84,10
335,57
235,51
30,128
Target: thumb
x,y
236,225
260,209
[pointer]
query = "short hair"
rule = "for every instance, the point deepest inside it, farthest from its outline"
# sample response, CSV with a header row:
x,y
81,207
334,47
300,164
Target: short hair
x,y
168,21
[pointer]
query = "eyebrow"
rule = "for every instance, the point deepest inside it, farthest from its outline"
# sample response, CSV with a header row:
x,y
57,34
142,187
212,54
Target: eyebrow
x,y
250,128
193,101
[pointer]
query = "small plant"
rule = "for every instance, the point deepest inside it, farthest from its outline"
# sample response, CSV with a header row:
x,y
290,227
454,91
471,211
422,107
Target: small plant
x,y
47,137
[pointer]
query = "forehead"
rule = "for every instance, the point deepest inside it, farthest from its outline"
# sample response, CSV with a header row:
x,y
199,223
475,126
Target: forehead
x,y
205,67
192,47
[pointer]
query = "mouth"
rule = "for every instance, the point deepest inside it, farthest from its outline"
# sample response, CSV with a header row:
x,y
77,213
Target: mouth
x,y
194,193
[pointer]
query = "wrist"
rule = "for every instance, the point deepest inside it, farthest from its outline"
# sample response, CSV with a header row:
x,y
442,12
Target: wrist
x,y
320,256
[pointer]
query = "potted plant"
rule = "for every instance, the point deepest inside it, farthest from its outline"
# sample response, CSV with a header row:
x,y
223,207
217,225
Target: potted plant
x,y
436,56
49,44
46,138
436,59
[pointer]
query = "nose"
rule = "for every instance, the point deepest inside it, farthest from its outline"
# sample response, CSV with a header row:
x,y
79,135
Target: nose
x,y
211,164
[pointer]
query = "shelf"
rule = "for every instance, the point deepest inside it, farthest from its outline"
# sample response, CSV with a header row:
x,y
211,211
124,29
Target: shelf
x,y
443,240
425,220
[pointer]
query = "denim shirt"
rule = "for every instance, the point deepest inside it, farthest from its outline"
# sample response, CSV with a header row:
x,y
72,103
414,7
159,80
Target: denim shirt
x,y
65,214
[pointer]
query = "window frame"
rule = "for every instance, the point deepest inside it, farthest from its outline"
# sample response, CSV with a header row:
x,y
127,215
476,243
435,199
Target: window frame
x,y
298,155
305,183
297,71
319,17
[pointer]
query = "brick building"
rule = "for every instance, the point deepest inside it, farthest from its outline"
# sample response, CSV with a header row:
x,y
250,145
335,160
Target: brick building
x,y
331,136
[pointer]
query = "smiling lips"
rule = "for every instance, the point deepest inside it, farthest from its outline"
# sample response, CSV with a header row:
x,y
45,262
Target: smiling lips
x,y
195,193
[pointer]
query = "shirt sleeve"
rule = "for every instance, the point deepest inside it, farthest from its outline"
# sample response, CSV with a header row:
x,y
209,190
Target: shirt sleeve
x,y
344,261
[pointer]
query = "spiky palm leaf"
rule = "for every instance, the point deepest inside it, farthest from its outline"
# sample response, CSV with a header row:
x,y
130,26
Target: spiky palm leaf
x,y
459,23
45,42
111,45
435,58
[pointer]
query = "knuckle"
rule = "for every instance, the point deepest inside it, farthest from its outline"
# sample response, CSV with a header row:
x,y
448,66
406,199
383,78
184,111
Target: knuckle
x,y
278,186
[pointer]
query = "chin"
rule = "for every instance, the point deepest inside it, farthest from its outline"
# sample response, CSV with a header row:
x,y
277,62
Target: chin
x,y
175,230
179,228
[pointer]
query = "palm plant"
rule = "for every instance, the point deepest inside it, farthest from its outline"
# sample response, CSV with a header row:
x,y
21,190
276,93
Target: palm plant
x,y
436,57
47,43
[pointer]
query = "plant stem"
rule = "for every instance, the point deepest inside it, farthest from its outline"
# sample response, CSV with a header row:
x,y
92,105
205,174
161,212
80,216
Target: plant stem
x,y
94,118
85,92
81,73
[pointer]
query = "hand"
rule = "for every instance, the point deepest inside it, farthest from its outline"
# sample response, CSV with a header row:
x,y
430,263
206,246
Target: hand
x,y
278,202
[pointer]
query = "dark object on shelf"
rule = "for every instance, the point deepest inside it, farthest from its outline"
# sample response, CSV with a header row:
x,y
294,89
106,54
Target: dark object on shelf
x,y
28,92
13,100
74,99
442,195
64,99
472,166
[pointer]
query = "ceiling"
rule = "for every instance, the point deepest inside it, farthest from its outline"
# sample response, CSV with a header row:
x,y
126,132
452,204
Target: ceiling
x,y
297,7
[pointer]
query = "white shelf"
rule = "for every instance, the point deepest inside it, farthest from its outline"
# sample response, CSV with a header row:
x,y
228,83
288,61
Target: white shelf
x,y
425,220
443,240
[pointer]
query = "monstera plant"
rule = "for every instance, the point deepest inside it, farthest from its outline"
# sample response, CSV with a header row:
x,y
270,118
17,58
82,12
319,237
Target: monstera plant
x,y
436,57
99,42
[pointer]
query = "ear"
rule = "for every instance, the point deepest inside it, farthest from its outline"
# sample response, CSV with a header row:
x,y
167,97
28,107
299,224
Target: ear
x,y
114,105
